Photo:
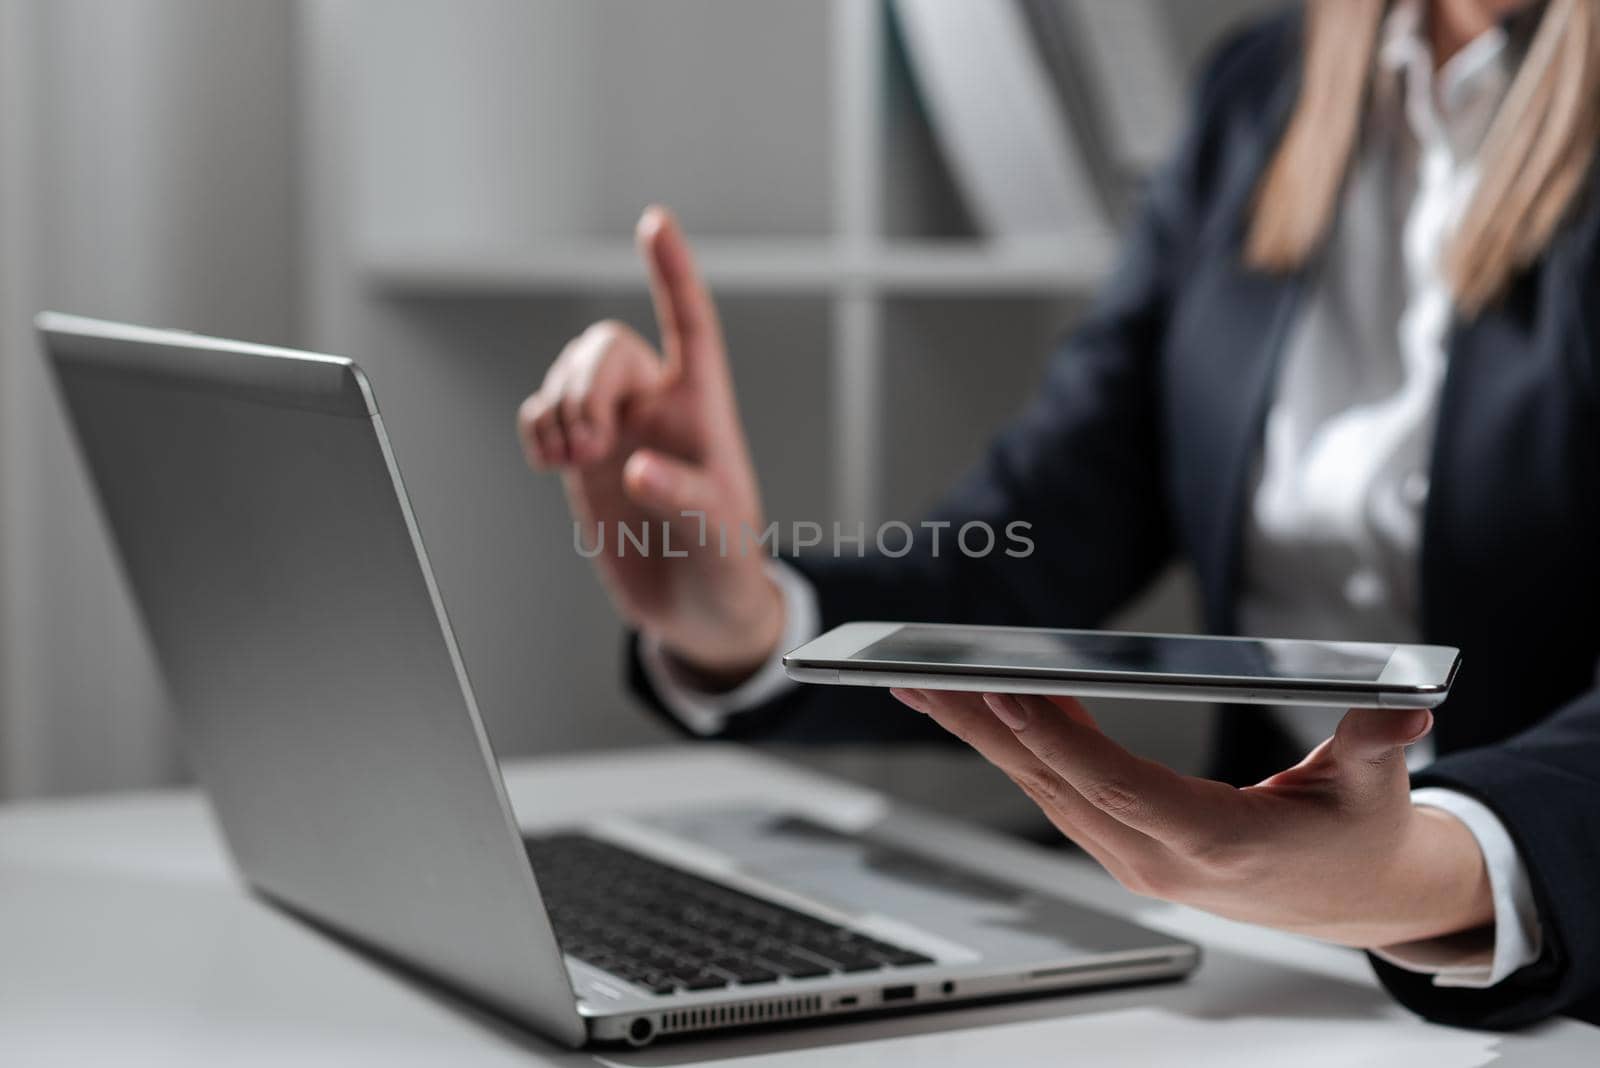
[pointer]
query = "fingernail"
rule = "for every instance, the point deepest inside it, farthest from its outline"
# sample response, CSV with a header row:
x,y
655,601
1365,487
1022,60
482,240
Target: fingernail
x,y
655,478
1007,710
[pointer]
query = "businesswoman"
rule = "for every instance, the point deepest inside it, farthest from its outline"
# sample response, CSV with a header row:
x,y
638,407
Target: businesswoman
x,y
1349,368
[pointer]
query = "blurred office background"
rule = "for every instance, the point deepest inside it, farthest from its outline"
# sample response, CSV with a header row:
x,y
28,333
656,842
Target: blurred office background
x,y
444,190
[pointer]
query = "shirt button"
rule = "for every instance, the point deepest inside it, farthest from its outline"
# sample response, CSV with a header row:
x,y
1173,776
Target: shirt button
x,y
1414,488
1364,589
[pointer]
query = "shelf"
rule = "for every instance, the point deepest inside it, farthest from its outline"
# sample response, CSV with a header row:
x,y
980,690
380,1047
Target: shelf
x,y
955,268
1066,265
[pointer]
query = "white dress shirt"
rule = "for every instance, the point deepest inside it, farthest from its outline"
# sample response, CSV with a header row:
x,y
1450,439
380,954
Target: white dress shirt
x,y
1332,536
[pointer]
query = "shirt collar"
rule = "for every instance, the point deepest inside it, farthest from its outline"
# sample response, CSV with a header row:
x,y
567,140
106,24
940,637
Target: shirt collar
x,y
1455,103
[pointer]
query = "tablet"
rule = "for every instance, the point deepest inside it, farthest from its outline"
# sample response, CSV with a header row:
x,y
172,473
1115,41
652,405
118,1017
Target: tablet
x,y
1097,663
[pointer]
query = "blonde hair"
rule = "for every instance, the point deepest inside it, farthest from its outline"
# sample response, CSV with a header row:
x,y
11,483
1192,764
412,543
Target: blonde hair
x,y
1535,156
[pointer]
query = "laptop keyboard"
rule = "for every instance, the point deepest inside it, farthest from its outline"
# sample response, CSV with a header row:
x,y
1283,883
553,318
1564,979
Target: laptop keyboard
x,y
666,930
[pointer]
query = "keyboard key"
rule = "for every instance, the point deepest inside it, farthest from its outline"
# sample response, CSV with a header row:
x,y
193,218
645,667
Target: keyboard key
x,y
860,964
743,971
796,967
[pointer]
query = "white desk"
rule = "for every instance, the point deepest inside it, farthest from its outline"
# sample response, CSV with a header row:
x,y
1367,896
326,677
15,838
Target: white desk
x,y
125,938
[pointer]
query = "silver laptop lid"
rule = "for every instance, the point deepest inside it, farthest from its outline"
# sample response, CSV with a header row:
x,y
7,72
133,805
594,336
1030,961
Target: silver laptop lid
x,y
264,529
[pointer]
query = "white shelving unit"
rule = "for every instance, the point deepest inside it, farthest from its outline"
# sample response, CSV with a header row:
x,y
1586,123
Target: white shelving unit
x,y
854,244
732,265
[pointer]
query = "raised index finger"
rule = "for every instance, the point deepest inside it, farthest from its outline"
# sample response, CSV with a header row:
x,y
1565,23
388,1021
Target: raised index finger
x,y
691,336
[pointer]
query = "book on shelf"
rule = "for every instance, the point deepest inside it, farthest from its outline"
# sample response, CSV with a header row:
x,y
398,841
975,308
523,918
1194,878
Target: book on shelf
x,y
1046,111
1137,80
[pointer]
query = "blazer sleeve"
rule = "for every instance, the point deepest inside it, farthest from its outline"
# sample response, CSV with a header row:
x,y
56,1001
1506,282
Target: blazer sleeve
x,y
1544,785
1082,468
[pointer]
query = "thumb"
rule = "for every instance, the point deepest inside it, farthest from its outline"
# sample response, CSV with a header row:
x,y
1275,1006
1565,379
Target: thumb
x,y
668,486
1369,745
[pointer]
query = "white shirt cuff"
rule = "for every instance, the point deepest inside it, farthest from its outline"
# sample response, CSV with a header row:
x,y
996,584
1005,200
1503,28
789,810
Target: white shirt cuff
x,y
707,713
1478,959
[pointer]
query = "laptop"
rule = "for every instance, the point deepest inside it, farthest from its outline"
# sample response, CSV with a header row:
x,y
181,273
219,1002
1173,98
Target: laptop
x,y
266,534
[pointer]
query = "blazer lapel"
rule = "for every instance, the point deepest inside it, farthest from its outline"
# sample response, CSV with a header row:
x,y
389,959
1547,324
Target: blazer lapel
x,y
1222,359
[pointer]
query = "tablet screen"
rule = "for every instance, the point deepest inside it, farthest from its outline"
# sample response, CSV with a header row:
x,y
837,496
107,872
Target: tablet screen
x,y
1006,650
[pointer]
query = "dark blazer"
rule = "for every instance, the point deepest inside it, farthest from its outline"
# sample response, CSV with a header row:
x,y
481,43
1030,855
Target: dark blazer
x,y
1138,449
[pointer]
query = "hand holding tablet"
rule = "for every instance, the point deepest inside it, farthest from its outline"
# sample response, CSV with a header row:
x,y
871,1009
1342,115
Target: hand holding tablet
x,y
1332,847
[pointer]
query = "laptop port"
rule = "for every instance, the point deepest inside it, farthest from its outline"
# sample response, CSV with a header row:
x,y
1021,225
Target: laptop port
x,y
899,993
847,1001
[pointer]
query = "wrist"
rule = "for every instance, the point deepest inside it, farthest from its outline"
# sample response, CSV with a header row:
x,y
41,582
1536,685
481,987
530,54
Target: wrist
x,y
746,639
1441,883
1468,898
